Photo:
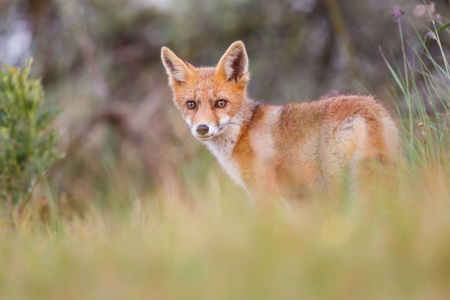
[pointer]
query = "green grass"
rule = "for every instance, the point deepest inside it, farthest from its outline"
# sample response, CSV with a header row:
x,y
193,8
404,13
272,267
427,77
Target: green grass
x,y
394,246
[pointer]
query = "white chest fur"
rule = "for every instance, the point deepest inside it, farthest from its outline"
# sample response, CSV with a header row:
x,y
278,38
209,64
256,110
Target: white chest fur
x,y
222,148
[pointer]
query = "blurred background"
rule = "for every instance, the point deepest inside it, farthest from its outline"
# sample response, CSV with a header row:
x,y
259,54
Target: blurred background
x,y
122,137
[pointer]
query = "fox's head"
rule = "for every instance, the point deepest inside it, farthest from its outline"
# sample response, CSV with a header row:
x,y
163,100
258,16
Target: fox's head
x,y
208,98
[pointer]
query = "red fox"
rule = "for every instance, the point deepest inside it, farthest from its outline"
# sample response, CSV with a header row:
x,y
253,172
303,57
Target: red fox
x,y
285,151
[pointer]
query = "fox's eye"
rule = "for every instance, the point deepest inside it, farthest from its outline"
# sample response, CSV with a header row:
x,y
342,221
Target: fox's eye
x,y
191,104
221,103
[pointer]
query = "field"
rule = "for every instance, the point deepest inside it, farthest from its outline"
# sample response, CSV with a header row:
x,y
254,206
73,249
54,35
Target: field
x,y
393,245
396,246
132,207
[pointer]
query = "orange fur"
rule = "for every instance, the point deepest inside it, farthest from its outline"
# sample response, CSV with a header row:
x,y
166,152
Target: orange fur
x,y
287,150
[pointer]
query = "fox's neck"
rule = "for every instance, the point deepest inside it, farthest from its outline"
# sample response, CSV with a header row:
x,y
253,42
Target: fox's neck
x,y
223,145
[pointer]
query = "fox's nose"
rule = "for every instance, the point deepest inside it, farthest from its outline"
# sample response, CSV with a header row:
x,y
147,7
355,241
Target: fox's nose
x,y
202,129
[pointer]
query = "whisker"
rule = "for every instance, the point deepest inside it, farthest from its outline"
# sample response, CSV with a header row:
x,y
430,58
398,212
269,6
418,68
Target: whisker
x,y
229,123
222,125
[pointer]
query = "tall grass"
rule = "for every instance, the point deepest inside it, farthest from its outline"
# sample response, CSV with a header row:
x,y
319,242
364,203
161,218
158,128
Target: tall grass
x,y
394,247
424,85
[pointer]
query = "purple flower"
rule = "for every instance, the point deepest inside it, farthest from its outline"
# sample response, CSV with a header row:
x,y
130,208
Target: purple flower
x,y
426,12
431,36
397,13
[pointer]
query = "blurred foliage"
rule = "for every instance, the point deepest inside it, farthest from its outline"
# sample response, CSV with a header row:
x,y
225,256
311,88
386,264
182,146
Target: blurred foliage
x,y
27,141
100,61
394,247
130,159
299,49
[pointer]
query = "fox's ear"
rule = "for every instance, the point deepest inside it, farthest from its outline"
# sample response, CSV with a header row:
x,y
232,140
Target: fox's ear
x,y
177,69
234,64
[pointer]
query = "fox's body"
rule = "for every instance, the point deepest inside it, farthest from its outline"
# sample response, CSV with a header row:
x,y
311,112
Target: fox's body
x,y
284,150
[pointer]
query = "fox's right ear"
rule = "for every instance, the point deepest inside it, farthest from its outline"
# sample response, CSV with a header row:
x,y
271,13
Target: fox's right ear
x,y
177,69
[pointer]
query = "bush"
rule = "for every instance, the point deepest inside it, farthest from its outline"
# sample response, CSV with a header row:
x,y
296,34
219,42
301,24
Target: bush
x,y
27,142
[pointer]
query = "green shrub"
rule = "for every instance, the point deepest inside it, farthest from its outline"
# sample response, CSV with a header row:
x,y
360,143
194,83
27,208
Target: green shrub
x,y
27,140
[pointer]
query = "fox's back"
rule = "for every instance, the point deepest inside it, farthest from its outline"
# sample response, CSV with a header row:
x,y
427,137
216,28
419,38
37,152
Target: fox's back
x,y
301,147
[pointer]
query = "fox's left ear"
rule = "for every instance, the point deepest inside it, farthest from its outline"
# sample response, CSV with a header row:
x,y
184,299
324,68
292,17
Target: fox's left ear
x,y
234,64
